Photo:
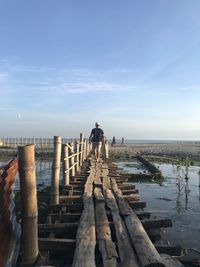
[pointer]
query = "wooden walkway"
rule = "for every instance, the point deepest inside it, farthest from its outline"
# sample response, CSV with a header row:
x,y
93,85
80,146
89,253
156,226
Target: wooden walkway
x,y
99,222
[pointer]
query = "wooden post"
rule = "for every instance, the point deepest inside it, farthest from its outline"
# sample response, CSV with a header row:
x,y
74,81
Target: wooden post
x,y
56,171
77,157
84,150
72,159
28,204
65,165
81,150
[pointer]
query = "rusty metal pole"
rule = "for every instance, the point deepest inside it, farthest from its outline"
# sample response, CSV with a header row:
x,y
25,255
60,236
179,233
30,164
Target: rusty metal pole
x,y
65,165
28,204
56,170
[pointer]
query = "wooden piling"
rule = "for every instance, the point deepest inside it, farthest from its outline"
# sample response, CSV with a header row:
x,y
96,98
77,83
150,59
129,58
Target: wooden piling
x,y
81,150
65,165
72,159
56,171
28,204
77,156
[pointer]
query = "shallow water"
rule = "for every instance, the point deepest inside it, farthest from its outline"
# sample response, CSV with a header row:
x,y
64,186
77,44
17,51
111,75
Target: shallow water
x,y
43,173
164,202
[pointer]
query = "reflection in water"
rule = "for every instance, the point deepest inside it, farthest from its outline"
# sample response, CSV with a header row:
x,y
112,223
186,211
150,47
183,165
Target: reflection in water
x,y
179,205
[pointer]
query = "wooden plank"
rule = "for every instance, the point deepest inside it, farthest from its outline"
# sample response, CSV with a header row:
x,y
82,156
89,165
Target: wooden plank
x,y
170,250
106,182
67,199
129,191
171,262
58,228
57,244
131,197
69,207
146,252
126,186
86,237
98,195
143,214
126,252
137,204
65,218
149,224
106,245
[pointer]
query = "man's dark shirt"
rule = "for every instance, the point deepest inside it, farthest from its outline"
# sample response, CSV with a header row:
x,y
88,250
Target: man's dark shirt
x,y
97,134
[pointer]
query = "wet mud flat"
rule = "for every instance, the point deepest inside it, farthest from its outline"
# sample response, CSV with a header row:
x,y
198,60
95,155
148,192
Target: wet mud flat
x,y
163,150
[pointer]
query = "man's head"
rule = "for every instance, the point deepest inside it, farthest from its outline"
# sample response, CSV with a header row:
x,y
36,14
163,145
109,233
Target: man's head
x,y
97,124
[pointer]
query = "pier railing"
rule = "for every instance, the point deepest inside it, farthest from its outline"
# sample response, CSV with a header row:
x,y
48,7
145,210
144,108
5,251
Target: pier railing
x,y
9,228
73,156
39,142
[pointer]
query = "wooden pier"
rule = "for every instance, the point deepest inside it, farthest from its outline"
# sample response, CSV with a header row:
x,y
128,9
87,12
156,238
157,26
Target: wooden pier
x,y
99,222
95,217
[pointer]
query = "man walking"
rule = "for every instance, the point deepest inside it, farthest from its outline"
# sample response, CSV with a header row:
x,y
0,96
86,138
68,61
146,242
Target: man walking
x,y
96,137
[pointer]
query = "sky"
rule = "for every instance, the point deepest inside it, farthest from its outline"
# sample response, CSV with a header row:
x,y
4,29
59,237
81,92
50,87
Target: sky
x,y
131,65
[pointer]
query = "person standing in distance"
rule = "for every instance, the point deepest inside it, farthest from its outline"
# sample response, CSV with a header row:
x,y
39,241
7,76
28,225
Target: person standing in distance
x,y
96,137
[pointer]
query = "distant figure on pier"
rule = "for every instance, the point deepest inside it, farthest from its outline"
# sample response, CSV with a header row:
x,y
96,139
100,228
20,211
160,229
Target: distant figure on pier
x,y
122,140
96,137
113,141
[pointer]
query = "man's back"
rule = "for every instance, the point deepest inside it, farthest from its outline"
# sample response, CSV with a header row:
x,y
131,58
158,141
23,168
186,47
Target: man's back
x,y
97,134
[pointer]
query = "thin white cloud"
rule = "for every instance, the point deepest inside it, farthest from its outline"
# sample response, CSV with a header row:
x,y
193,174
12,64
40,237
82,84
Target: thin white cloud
x,y
3,76
75,88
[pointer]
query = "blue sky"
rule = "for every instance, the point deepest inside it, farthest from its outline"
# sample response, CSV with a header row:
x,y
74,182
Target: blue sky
x,y
131,65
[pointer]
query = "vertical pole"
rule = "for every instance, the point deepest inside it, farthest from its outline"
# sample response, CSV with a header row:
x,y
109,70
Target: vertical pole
x,y
77,156
72,159
85,149
28,204
65,165
106,150
56,171
81,150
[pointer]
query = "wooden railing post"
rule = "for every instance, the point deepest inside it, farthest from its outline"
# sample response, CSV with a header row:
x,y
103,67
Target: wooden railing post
x,y
89,147
65,165
72,159
81,150
77,157
28,204
56,171
85,150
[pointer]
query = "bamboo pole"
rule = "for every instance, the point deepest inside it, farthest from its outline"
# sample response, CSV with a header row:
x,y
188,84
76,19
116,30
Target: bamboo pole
x,y
81,150
77,157
56,171
84,150
28,204
72,159
65,165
